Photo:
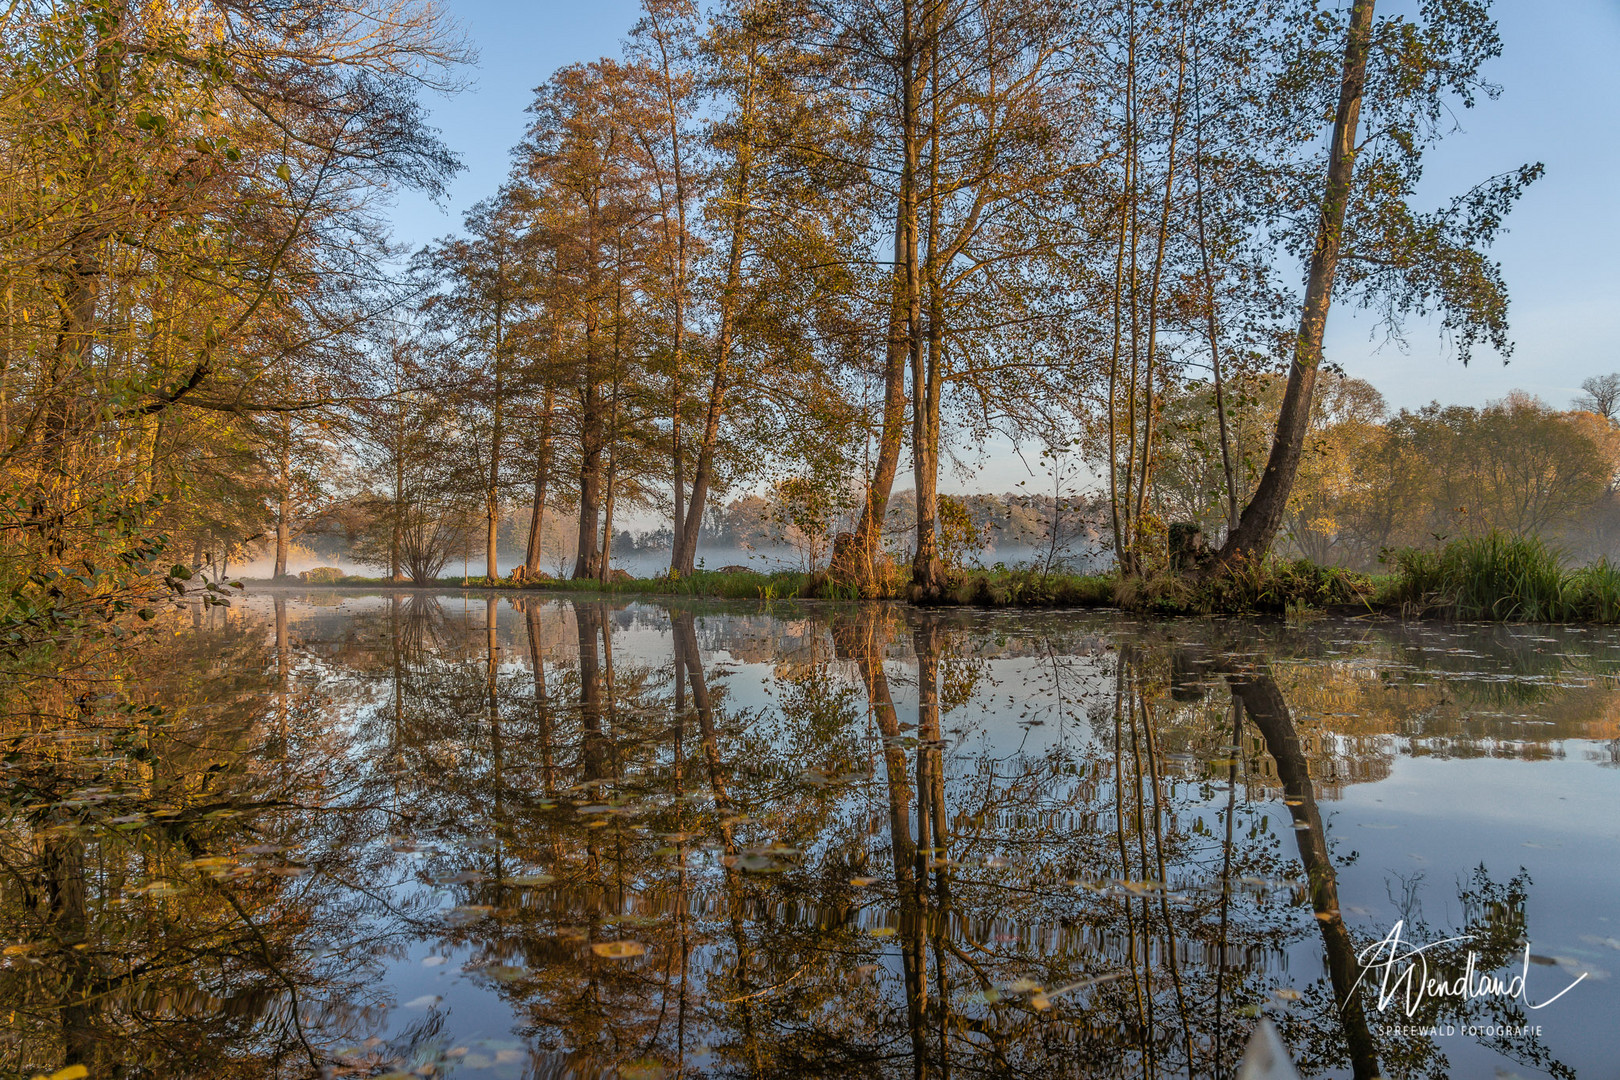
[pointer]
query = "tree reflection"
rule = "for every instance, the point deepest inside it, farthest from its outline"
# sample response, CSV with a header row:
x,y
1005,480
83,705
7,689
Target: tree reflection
x,y
864,842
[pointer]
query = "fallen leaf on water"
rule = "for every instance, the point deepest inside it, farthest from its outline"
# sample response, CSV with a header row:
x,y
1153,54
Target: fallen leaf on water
x,y
505,972
641,1070
1288,993
528,879
618,950
862,882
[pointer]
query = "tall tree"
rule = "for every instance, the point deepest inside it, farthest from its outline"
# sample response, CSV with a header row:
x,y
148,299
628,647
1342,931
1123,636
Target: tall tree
x,y
1404,72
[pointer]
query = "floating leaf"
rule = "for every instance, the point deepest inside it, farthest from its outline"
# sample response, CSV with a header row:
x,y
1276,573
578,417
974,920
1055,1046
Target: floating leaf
x,y
528,880
618,950
642,1070
505,973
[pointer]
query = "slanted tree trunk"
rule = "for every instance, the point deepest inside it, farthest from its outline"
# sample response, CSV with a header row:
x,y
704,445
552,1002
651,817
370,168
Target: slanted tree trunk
x,y
684,556
1258,525
859,560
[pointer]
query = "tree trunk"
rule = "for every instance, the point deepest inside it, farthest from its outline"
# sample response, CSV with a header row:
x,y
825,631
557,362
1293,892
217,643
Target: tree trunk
x,y
911,76
395,570
684,556
927,572
859,561
1258,525
605,566
537,517
492,494
284,501
586,562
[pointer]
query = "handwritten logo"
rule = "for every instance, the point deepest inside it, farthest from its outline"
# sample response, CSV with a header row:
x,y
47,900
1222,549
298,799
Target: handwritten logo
x,y
1403,975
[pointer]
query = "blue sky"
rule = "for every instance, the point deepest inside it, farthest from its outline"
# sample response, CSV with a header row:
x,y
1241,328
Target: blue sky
x,y
1560,105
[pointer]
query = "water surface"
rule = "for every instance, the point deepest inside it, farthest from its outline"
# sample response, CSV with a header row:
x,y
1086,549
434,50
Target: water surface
x,y
361,834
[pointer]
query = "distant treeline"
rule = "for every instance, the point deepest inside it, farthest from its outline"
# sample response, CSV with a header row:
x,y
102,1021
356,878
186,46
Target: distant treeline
x,y
1372,481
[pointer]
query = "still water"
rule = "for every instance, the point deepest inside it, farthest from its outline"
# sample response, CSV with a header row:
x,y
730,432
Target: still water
x,y
361,834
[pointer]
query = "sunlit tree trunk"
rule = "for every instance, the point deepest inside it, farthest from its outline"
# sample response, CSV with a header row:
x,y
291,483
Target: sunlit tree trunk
x,y
739,190
592,439
863,555
542,472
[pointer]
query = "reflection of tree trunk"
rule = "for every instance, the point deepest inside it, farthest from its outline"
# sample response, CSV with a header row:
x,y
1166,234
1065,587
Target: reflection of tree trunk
x,y
859,640
1160,810
283,670
492,694
1269,713
63,865
397,647
542,703
1121,699
284,498
689,659
931,820
1226,876
588,620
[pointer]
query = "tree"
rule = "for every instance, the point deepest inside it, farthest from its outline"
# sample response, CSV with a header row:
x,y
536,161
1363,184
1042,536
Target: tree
x,y
1600,395
1403,72
488,290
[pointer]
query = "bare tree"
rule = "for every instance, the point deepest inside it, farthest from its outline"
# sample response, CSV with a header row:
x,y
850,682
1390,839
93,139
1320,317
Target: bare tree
x,y
1602,396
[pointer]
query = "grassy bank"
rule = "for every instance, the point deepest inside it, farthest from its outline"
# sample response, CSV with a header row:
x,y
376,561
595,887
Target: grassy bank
x,y
1495,578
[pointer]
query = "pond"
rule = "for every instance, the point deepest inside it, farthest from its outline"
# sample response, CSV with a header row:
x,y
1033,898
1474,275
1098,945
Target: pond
x,y
368,834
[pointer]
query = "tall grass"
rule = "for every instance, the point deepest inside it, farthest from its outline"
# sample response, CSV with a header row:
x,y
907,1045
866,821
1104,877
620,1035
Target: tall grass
x,y
1504,578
